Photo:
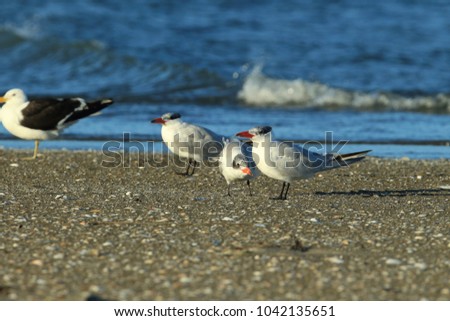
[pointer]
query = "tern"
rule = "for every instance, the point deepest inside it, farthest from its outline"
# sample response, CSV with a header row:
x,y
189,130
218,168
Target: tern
x,y
286,162
195,143
43,119
236,163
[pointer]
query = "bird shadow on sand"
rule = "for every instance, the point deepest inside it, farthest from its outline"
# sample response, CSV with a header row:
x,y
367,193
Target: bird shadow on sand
x,y
392,193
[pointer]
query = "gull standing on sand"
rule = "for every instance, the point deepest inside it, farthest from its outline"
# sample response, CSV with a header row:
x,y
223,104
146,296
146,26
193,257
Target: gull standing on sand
x,y
286,162
236,163
186,140
43,119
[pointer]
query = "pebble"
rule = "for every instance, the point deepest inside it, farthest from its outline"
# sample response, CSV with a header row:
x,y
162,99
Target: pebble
x,y
37,262
393,262
420,266
335,260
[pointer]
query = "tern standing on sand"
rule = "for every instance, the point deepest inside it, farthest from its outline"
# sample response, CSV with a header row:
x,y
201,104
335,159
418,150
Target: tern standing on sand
x,y
186,140
43,119
236,163
287,162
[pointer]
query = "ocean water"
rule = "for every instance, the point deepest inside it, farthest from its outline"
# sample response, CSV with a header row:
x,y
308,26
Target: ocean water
x,y
376,74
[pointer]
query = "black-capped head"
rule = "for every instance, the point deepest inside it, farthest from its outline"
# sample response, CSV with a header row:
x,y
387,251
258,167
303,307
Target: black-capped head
x,y
256,131
241,163
165,118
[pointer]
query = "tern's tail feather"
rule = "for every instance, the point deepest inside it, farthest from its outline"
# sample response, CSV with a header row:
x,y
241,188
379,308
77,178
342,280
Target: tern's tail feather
x,y
348,159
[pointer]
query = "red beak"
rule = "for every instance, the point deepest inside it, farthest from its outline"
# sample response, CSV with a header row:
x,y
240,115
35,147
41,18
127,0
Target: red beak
x,y
245,134
247,171
158,121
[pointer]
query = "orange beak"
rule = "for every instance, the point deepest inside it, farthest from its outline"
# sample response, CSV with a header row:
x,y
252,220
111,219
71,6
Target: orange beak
x,y
245,134
247,171
158,121
2,100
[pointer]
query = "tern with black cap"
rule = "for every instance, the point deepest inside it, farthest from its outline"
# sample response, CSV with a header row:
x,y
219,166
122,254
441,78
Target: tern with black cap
x,y
287,162
195,143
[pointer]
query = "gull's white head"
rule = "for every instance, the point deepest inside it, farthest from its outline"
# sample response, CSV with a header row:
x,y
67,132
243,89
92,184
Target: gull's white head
x,y
15,95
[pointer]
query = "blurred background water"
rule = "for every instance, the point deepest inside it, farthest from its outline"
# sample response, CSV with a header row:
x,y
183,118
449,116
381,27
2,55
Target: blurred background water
x,y
374,73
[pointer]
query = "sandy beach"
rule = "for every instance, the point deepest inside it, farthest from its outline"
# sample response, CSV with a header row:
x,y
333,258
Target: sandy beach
x,y
72,229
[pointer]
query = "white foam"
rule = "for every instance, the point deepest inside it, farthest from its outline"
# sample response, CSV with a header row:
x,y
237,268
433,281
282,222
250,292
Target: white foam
x,y
28,29
261,90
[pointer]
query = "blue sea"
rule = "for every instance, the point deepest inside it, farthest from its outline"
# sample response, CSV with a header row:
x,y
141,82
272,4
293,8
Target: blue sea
x,y
374,73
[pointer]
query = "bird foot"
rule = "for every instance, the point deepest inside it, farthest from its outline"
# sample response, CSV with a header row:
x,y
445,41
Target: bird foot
x,y
278,198
32,157
183,174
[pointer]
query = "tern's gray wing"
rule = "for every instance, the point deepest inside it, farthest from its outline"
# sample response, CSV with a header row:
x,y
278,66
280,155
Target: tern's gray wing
x,y
289,155
199,140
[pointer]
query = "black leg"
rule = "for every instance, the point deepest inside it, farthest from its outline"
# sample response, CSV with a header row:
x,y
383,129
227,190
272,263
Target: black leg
x,y
282,191
186,173
229,190
287,189
281,194
249,188
188,165
194,165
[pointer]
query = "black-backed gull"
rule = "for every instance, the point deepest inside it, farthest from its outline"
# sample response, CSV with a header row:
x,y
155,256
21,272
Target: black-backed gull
x,y
43,119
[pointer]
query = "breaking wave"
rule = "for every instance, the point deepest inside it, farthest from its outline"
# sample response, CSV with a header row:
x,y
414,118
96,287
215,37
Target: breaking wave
x,y
263,91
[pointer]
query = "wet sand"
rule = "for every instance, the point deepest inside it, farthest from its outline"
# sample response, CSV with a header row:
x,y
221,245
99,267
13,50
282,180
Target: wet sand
x,y
71,228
